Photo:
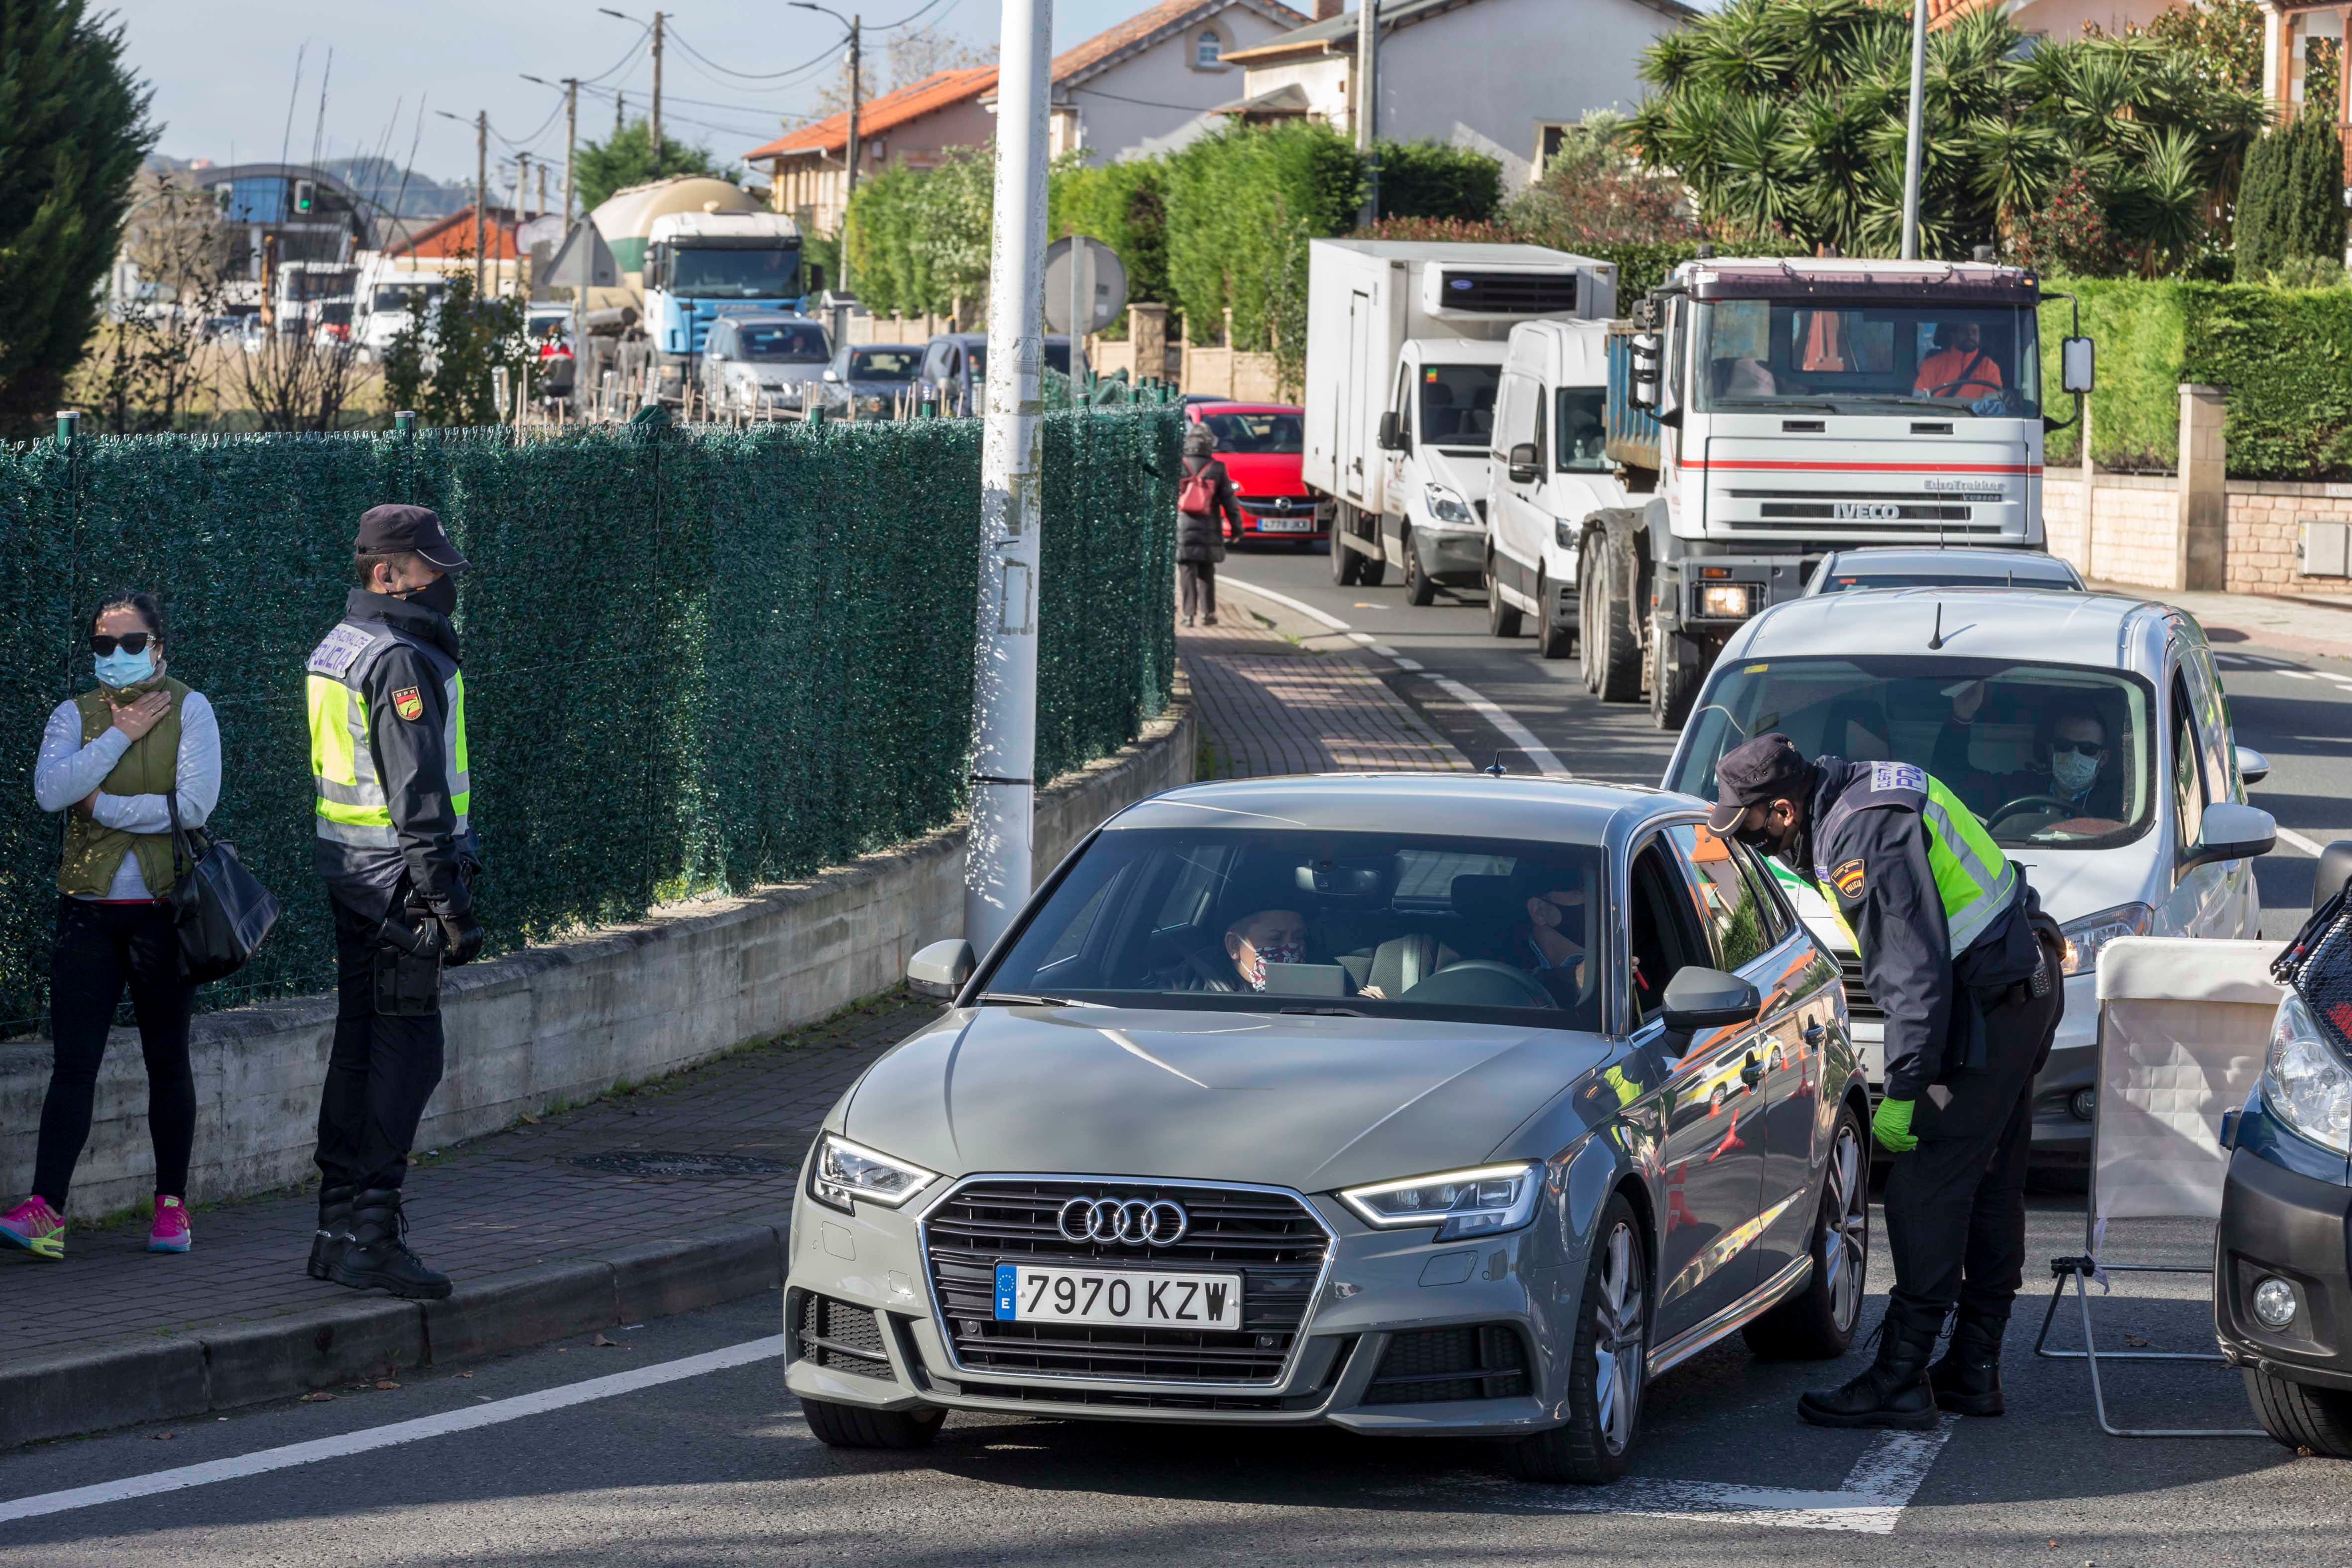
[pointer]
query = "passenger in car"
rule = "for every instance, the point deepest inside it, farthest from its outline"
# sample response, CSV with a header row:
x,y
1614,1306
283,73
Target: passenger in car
x,y
1253,941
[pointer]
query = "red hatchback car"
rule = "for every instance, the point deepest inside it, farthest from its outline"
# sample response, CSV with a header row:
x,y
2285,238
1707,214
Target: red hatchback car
x,y
1260,445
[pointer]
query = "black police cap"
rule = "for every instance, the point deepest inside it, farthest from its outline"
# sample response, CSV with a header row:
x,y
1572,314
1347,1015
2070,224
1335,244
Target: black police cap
x,y
1769,767
414,530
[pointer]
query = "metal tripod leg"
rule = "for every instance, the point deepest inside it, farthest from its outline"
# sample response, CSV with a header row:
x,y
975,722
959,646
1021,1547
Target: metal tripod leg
x,y
2079,1269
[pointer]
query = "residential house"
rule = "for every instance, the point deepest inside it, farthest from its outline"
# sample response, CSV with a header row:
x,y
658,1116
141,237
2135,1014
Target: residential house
x,y
2054,18
2289,29
915,126
1503,77
446,244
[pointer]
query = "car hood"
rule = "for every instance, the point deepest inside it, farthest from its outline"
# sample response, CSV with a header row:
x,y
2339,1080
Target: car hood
x,y
771,374
1304,1102
1463,471
1264,473
2071,883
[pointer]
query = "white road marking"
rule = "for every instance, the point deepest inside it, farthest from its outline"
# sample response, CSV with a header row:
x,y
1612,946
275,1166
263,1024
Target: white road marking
x,y
2300,842
2261,660
1309,611
1518,734
1876,1491
423,1426
2295,674
1412,665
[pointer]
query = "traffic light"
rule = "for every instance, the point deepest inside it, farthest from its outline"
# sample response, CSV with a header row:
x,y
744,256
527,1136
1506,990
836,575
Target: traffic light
x,y
306,196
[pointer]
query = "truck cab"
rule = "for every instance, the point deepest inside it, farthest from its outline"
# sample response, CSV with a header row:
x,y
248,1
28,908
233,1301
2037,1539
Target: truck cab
x,y
699,265
1547,470
1434,438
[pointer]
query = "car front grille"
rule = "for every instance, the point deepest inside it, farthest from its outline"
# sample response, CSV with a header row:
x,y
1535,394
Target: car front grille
x,y
1487,1360
1859,1007
842,1336
1272,1239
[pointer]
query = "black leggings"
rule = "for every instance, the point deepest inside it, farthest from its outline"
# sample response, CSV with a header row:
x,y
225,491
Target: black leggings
x,y
102,948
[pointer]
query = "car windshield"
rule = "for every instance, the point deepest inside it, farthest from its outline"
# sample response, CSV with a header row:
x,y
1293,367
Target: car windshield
x,y
2047,755
398,298
1385,924
1768,355
1057,357
1838,582
714,274
1257,432
884,364
1457,405
781,342
1579,436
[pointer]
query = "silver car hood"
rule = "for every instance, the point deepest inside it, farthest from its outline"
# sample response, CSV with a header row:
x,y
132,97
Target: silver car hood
x,y
1304,1102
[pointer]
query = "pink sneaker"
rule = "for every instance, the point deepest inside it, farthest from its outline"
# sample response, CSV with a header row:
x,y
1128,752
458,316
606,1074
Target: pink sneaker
x,y
37,1227
170,1231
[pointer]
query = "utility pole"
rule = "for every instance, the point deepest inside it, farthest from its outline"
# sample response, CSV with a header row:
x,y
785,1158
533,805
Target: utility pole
x,y
1368,47
656,120
571,141
522,185
1004,697
481,190
620,112
856,82
1911,138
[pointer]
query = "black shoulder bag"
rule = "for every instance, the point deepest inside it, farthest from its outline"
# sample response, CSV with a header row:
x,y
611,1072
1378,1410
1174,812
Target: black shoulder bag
x,y
221,910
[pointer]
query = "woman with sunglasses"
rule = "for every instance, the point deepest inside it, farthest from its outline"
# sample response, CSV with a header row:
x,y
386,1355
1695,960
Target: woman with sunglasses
x,y
108,757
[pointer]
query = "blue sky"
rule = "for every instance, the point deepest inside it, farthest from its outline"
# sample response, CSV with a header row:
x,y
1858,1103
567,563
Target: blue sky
x,y
223,73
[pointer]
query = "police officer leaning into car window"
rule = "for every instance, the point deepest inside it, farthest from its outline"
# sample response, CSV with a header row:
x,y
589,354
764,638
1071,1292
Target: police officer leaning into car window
x,y
388,753
1956,949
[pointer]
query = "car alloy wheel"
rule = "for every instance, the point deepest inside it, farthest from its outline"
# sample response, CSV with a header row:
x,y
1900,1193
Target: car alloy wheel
x,y
1818,1320
1606,1366
1845,1220
1617,1341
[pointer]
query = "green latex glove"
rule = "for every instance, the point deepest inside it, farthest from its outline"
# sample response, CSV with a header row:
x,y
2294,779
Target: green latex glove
x,y
1891,1125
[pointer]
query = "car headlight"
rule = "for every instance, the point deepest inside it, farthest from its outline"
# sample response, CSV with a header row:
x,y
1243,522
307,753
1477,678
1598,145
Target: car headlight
x,y
1446,505
841,1171
2305,1081
2085,937
1564,533
1486,1201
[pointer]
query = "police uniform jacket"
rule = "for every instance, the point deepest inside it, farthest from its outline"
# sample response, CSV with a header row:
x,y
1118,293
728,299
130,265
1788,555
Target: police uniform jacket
x,y
1868,848
402,660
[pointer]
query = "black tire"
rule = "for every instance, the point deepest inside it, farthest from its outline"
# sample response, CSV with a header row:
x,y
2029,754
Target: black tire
x,y
1617,656
1418,588
1588,613
1604,1397
1371,569
1553,639
1343,559
1818,1322
855,1427
1671,689
1502,617
2299,1416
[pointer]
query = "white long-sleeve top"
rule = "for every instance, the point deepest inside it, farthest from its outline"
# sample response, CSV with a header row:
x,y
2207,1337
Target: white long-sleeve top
x,y
68,771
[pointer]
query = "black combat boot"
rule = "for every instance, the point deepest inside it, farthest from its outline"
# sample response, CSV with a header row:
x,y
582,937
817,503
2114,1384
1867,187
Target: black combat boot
x,y
1967,1379
377,1256
334,1231
1893,1392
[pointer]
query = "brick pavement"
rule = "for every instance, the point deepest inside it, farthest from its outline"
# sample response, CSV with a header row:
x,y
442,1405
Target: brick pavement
x,y
510,1201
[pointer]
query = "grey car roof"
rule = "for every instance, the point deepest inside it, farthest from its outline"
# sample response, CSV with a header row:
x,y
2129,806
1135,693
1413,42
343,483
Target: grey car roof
x,y
1960,561
1526,807
2085,630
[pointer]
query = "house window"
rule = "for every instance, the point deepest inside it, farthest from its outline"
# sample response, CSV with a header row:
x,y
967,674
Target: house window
x,y
1208,49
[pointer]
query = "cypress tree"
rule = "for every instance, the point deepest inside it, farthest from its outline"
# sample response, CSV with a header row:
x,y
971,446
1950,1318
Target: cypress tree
x,y
73,132
2255,231
2291,198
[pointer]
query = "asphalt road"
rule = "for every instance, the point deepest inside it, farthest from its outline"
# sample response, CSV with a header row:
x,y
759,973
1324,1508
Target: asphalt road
x,y
719,1467
2294,709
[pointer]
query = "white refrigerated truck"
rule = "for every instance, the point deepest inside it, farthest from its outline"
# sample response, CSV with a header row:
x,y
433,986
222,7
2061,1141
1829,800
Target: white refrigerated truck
x,y
1405,342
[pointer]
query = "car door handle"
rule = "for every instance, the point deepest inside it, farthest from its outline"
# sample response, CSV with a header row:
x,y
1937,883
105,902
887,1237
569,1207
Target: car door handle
x,y
1752,1071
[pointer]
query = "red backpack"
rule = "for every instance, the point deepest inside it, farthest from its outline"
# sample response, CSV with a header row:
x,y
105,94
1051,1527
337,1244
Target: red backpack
x,y
1198,494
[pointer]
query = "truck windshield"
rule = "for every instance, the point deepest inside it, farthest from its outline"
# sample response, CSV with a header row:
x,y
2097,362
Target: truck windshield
x,y
1457,405
783,342
736,274
400,297
1579,436
1977,360
2053,756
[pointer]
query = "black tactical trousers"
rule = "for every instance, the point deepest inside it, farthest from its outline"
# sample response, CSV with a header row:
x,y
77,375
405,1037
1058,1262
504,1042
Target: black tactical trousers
x,y
383,1067
1956,1204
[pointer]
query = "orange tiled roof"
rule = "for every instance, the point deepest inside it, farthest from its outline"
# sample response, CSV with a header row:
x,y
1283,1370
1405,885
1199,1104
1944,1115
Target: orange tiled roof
x,y
1944,13
1143,24
934,92
452,236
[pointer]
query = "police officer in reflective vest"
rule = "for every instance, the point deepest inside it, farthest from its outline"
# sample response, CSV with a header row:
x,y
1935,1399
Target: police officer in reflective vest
x,y
1955,950
388,756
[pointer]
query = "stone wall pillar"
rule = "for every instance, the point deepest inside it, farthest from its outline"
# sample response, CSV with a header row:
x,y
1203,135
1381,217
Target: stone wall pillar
x,y
2201,542
1147,328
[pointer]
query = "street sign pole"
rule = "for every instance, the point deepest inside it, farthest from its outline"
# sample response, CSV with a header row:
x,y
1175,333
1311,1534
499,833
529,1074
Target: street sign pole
x,y
1004,686
1911,141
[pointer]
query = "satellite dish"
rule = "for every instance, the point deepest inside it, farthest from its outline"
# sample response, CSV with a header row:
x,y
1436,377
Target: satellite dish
x,y
1097,273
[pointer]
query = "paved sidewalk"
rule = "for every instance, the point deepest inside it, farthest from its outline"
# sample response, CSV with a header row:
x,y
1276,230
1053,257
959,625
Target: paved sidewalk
x,y
1276,694
708,1153
2316,624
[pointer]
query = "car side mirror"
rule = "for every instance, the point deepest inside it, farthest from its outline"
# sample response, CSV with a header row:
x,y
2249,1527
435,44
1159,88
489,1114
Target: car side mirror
x,y
2252,766
831,374
1391,436
2334,870
1523,463
2228,831
939,969
2077,365
1699,999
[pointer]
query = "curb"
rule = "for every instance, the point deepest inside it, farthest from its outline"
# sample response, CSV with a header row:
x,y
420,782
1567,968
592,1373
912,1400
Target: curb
x,y
74,1393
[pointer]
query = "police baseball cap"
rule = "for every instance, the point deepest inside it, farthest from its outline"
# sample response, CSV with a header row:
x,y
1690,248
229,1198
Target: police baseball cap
x,y
1769,767
407,530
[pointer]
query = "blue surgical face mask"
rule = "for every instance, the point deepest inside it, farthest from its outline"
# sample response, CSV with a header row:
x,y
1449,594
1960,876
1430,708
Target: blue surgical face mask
x,y
2073,771
119,669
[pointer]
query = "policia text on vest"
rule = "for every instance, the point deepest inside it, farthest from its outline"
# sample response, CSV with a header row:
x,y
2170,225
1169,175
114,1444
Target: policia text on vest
x,y
397,850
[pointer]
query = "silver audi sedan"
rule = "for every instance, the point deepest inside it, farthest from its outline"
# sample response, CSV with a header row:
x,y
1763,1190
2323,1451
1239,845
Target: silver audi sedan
x,y
1422,1104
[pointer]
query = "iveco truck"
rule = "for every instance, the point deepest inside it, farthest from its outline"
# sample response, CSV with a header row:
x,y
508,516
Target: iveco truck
x,y
1404,350
1766,411
701,265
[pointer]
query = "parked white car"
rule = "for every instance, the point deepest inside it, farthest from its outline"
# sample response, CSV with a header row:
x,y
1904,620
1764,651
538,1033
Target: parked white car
x,y
1947,567
766,359
2009,696
1546,473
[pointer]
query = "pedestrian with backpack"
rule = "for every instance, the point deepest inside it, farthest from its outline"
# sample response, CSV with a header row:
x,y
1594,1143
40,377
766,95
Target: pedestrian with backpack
x,y
1205,502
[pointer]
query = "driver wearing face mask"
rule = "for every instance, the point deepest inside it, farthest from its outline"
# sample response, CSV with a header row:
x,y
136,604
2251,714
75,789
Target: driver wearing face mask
x,y
1251,942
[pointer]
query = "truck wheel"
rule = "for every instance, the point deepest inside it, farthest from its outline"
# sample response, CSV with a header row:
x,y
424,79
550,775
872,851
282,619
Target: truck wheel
x,y
1588,616
1343,559
1670,688
2302,1416
1502,619
1551,638
1418,588
1616,655
1370,569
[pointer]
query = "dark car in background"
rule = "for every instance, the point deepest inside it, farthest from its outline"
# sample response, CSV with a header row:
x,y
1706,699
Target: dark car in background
x,y
955,366
1260,446
869,380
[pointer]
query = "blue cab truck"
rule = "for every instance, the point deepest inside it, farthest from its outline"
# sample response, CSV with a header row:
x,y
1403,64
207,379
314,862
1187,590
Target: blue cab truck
x,y
700,266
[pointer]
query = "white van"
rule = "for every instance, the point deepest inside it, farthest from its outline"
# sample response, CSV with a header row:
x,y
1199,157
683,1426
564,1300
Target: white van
x,y
1983,688
1546,473
389,298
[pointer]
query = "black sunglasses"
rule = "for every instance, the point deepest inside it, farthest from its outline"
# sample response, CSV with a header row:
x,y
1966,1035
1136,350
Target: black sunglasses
x,y
2091,748
130,642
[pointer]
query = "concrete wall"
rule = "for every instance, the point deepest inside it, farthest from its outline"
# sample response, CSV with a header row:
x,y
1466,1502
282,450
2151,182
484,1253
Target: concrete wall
x,y
567,1021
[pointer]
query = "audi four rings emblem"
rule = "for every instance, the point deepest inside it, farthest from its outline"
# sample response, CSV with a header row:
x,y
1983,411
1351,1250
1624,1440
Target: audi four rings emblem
x,y
1131,1223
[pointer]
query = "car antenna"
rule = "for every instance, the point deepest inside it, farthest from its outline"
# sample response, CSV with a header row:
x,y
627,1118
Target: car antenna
x,y
1937,641
1495,770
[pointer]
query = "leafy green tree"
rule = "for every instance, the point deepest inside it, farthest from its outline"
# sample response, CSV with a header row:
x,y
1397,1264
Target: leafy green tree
x,y
73,132
1435,179
917,239
443,367
2290,206
627,158
1125,206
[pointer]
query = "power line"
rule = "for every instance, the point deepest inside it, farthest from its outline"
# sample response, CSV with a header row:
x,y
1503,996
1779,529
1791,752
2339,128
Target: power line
x,y
912,17
809,64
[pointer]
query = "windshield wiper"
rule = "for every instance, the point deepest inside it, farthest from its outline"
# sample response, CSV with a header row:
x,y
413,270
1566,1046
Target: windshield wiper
x,y
1325,1012
1028,999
